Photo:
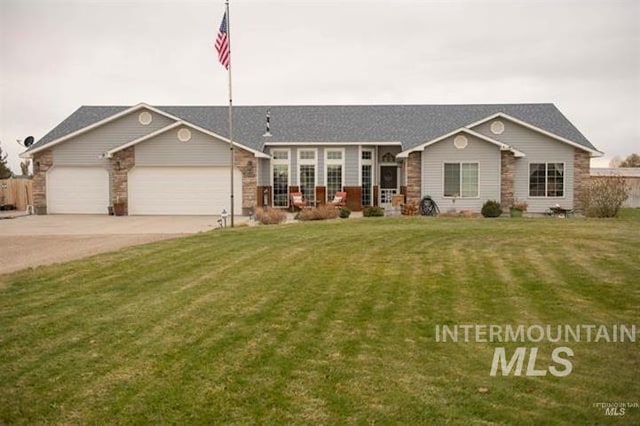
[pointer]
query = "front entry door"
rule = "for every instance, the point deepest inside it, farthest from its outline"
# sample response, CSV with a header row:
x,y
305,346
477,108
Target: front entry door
x,y
388,183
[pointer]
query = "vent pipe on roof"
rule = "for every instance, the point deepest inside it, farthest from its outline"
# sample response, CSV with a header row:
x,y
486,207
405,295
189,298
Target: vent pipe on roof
x,y
267,134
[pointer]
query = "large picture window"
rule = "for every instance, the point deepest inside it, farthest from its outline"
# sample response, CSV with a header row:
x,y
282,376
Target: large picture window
x,y
546,179
334,167
461,180
280,177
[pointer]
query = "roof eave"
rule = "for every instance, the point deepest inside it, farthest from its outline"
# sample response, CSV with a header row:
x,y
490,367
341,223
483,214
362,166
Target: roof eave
x,y
98,124
332,143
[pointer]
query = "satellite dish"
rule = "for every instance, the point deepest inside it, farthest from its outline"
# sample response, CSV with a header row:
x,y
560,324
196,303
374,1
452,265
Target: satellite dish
x,y
28,141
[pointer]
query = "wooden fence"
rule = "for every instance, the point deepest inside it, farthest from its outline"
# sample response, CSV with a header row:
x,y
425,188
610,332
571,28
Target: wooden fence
x,y
16,192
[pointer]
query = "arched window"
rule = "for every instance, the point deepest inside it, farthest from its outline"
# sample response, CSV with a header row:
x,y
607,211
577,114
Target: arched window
x,y
388,158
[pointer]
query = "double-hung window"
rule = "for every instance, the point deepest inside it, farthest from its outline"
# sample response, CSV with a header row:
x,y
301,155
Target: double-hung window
x,y
307,173
280,177
334,171
461,180
546,179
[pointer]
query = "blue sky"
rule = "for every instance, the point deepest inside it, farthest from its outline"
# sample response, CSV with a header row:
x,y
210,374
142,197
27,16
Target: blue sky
x,y
581,55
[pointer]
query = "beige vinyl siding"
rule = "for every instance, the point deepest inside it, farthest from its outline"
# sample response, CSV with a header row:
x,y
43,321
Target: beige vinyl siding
x,y
485,154
86,149
264,170
166,150
321,181
351,162
538,148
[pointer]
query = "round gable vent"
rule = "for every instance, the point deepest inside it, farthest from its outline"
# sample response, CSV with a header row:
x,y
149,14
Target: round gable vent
x,y
460,142
184,135
497,127
145,118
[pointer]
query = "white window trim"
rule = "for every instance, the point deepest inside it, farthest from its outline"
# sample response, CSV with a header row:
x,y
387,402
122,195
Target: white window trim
x,y
460,197
362,162
280,162
372,162
328,163
564,180
307,162
333,161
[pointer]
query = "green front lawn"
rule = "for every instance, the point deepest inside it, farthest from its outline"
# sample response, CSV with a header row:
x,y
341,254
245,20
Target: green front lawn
x,y
324,323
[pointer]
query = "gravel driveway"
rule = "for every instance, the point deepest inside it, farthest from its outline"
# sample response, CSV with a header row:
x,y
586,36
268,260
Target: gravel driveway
x,y
29,241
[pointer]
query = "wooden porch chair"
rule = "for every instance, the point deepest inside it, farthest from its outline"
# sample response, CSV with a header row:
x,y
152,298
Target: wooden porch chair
x,y
339,199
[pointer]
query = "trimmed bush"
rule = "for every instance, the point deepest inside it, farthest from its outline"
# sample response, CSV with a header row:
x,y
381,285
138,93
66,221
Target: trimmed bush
x,y
373,211
603,196
344,213
491,208
270,216
321,212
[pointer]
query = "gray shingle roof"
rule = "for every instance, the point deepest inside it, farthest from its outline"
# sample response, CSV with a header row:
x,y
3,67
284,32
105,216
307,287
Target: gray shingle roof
x,y
409,124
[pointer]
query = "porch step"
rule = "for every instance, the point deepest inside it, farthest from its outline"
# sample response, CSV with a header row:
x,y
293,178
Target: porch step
x,y
389,210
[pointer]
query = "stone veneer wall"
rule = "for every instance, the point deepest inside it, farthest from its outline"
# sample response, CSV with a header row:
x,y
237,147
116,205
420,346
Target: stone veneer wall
x,y
248,165
42,162
581,175
414,177
121,163
507,179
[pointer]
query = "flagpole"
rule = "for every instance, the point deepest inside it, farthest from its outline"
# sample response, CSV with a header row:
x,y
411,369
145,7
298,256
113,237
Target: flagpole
x,y
232,159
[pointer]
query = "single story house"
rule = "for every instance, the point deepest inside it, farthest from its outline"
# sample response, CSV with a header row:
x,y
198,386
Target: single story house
x,y
176,159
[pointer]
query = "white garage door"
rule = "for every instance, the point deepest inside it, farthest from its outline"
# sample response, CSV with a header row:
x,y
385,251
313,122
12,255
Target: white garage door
x,y
77,190
183,190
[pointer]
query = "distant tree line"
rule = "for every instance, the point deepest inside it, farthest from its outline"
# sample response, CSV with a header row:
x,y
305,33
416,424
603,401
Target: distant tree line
x,y
632,160
5,171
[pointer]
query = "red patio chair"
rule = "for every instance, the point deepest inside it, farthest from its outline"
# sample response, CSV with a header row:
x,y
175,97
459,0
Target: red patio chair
x,y
298,201
339,199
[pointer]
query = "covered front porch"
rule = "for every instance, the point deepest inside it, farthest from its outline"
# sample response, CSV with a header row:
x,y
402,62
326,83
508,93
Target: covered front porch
x,y
370,175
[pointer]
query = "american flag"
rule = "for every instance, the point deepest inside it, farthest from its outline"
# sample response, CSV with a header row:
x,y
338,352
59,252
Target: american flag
x,y
222,43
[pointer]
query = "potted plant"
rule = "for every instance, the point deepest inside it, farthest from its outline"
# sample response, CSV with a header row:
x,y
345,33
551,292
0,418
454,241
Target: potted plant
x,y
518,207
118,207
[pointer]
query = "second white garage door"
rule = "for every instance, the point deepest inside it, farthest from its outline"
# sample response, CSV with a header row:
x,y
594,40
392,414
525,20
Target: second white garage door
x,y
182,190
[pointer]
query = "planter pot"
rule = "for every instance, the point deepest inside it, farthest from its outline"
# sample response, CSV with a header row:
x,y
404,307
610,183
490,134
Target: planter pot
x,y
118,209
516,212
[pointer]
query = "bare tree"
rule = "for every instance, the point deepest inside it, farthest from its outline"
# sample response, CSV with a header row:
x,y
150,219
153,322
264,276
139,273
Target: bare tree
x,y
615,162
24,167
